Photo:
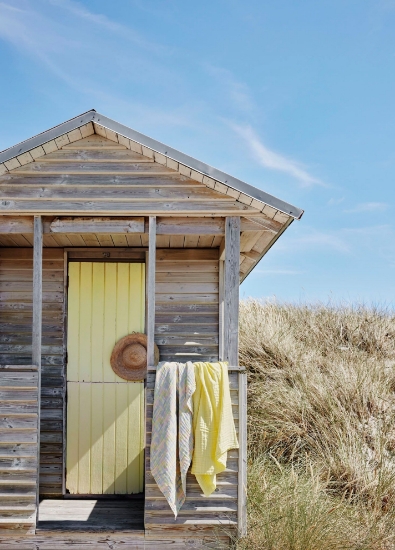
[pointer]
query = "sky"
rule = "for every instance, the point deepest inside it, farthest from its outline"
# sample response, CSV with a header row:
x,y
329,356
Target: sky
x,y
295,98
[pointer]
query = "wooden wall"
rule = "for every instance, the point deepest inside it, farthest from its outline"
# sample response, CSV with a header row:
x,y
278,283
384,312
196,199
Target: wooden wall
x,y
186,328
18,448
186,304
16,279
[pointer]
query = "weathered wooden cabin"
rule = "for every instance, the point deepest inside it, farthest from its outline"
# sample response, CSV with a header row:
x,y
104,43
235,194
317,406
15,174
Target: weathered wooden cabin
x,y
105,231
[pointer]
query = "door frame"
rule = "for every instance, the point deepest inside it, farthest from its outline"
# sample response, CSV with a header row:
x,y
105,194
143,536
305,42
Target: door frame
x,y
91,254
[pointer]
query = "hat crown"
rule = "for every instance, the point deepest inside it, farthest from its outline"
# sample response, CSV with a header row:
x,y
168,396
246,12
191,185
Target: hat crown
x,y
129,357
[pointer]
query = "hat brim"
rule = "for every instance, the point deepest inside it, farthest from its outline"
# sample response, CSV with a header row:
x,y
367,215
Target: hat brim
x,y
117,364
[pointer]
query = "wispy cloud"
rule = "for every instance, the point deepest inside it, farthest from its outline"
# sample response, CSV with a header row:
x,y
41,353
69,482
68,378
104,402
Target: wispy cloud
x,y
93,63
333,201
238,92
273,160
79,10
368,207
330,240
278,271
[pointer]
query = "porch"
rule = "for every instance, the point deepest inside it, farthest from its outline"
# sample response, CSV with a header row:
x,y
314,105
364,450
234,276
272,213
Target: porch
x,y
94,515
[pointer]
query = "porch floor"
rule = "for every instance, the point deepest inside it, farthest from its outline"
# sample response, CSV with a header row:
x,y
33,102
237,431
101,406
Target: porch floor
x,y
93,515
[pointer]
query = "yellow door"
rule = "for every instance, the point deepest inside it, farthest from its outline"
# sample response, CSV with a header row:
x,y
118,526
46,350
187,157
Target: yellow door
x,y
105,414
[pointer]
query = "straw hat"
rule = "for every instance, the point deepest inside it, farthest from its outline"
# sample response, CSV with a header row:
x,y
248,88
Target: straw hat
x,y
129,357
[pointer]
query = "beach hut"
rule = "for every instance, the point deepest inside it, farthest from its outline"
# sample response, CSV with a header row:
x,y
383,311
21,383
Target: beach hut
x,y
105,232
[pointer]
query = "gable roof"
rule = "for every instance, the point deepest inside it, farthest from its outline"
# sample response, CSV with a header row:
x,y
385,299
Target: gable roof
x,y
20,153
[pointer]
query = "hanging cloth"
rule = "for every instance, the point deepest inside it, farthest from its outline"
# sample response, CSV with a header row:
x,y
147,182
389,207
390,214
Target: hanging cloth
x,y
213,424
172,440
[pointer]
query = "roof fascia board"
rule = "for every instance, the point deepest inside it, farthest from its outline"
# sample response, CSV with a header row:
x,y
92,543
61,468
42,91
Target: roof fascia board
x,y
46,136
198,166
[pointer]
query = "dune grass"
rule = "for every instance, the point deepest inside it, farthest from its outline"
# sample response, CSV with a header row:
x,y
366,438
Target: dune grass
x,y
321,414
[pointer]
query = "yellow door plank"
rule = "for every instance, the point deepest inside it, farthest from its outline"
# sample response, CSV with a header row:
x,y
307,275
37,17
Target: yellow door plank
x,y
73,328
85,322
84,447
121,440
97,440
97,322
137,298
123,301
110,311
72,457
134,438
109,415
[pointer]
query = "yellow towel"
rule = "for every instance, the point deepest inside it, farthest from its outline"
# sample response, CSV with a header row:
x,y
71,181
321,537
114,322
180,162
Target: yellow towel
x,y
213,424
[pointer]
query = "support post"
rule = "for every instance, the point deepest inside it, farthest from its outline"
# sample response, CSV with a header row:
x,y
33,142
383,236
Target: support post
x,y
231,290
221,310
37,328
242,478
151,291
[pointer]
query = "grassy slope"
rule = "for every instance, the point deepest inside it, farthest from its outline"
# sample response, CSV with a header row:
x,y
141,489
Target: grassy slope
x,y
321,427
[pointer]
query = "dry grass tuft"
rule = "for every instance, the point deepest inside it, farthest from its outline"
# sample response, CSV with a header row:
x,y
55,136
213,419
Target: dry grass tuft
x,y
321,404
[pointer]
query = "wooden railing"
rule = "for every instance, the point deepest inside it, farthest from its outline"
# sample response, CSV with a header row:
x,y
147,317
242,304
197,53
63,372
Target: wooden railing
x,y
227,506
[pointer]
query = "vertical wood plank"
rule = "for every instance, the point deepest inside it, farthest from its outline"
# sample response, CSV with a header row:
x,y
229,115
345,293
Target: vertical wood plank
x,y
84,436
121,439
97,321
110,312
231,290
85,311
135,450
109,396
37,329
151,291
37,292
73,321
73,408
97,440
137,298
123,301
221,310
242,479
65,359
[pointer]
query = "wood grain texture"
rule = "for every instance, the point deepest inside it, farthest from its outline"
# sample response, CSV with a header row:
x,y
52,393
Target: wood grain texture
x,y
220,508
105,424
186,326
97,225
19,421
101,175
151,289
37,325
231,290
16,318
242,478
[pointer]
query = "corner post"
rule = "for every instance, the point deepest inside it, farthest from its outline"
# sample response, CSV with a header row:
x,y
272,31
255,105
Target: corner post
x,y
242,474
231,291
151,291
37,328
